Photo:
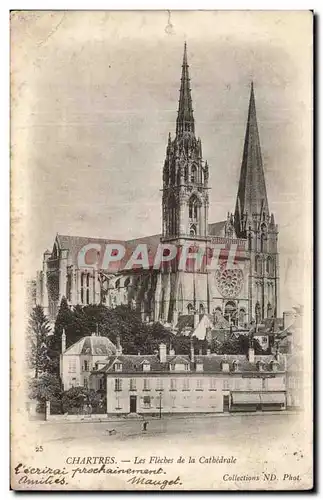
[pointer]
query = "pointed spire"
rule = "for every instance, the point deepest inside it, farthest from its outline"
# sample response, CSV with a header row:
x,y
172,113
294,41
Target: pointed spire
x,y
185,119
252,194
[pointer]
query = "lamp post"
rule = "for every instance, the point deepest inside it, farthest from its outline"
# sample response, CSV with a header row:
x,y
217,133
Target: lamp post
x,y
160,402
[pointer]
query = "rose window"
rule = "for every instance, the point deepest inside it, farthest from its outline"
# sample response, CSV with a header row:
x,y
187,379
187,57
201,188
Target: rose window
x,y
229,282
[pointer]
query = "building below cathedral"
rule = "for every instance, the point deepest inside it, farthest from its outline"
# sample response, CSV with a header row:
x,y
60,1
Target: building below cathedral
x,y
168,383
240,293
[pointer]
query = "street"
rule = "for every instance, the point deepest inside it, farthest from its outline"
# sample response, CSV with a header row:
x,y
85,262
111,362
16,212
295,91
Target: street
x,y
224,429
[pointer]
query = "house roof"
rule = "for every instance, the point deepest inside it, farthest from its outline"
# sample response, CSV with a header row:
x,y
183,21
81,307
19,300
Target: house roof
x,y
212,363
93,346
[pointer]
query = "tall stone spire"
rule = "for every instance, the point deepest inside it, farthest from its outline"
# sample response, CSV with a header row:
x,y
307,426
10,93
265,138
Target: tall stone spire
x,y
185,119
252,194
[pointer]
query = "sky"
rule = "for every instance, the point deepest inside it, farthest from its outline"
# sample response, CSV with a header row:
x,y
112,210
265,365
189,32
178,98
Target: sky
x,y
94,96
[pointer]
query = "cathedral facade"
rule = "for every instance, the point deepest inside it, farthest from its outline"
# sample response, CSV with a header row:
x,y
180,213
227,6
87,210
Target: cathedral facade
x,y
238,273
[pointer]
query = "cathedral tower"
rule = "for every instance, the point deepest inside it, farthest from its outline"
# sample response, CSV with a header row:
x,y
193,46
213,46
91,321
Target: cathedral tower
x,y
185,213
185,178
254,222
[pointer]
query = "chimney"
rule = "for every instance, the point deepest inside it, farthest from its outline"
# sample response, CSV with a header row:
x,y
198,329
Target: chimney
x,y
162,353
63,341
192,352
118,347
251,354
196,319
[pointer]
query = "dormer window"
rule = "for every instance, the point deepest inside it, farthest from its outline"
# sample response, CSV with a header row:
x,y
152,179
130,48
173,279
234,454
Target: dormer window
x,y
118,367
236,366
146,366
179,364
225,366
274,365
261,366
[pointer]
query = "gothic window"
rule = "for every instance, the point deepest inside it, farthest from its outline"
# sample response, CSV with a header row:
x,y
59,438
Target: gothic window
x,y
269,265
201,309
193,208
172,215
193,230
127,282
217,313
229,282
242,316
117,284
193,174
263,238
190,308
230,312
82,288
85,288
258,264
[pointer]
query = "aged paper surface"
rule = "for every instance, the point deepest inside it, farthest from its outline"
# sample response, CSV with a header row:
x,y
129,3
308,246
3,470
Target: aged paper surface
x,y
182,360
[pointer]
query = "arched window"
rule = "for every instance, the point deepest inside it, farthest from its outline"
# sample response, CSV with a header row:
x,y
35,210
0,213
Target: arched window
x,y
82,288
193,174
172,216
193,230
230,312
242,316
190,308
193,207
201,309
127,282
258,264
85,288
117,283
263,238
269,265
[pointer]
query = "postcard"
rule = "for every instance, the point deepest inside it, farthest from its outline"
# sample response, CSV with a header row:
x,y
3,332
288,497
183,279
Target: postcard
x,y
161,238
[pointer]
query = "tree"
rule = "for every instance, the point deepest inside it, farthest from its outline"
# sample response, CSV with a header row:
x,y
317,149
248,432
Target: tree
x,y
80,398
38,335
46,387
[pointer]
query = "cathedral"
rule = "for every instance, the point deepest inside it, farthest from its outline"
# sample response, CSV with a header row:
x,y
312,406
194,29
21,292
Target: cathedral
x,y
245,292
